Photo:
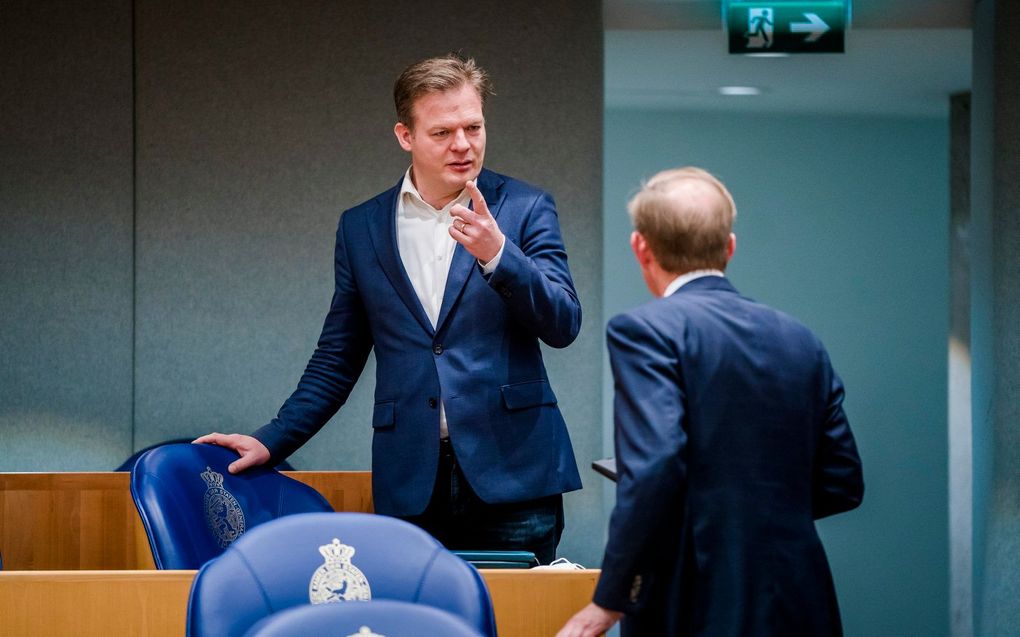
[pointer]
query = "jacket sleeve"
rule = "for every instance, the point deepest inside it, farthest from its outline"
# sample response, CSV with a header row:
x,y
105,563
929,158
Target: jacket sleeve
x,y
333,369
534,280
838,479
650,445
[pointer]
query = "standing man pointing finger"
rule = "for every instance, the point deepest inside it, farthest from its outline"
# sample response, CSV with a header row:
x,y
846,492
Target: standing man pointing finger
x,y
453,276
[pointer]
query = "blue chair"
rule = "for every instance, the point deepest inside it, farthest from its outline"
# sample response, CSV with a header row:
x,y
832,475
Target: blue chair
x,y
192,508
332,557
383,618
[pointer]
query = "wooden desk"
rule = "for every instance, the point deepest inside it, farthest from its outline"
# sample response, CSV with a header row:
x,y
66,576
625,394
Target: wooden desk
x,y
71,521
94,603
537,603
57,529
154,603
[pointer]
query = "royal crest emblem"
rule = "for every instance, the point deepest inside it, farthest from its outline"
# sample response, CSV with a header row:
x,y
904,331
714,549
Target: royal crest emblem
x,y
223,514
365,631
337,580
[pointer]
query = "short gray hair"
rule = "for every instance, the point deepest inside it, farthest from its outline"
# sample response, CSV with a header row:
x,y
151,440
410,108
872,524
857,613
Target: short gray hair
x,y
686,215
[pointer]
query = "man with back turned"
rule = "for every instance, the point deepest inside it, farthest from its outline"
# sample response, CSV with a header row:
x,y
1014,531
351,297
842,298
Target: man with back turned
x,y
453,276
731,441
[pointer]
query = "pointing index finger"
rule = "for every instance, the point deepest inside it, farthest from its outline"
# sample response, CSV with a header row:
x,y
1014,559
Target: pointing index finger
x,y
477,199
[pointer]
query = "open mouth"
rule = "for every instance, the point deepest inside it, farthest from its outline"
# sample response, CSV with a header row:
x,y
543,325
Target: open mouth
x,y
461,165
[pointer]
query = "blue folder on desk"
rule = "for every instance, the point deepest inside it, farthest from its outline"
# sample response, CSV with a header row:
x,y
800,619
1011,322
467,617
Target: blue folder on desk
x,y
498,559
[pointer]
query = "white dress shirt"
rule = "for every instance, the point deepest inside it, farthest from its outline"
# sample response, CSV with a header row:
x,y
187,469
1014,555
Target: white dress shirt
x,y
425,245
426,248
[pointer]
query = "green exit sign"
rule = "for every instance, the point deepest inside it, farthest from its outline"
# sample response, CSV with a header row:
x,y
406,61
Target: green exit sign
x,y
787,27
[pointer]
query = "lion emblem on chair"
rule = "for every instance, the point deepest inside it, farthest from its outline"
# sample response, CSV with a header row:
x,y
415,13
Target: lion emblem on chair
x,y
223,513
337,580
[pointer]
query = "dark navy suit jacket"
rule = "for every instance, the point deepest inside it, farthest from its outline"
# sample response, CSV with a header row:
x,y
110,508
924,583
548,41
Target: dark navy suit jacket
x,y
483,359
731,441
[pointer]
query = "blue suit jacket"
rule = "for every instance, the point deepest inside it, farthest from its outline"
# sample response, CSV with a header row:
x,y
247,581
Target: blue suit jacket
x,y
482,360
730,441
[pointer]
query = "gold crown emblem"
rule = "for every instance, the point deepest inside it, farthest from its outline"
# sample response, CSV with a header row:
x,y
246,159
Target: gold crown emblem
x,y
212,479
336,552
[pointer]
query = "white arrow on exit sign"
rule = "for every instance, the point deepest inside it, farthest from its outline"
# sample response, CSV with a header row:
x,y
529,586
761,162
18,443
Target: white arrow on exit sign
x,y
815,26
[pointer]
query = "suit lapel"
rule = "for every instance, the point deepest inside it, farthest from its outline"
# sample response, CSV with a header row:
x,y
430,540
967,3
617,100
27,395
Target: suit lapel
x,y
463,263
382,228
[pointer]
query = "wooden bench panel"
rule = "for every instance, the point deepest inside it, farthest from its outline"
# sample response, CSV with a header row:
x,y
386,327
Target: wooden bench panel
x,y
71,521
154,603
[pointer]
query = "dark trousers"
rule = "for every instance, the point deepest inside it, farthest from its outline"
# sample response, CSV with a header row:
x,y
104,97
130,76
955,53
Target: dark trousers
x,y
460,520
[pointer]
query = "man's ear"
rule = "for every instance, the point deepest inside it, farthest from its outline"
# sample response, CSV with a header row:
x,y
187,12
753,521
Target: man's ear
x,y
403,134
650,269
639,245
731,247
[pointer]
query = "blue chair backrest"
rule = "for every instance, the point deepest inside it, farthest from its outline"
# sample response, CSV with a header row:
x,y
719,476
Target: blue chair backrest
x,y
192,508
332,557
382,618
129,463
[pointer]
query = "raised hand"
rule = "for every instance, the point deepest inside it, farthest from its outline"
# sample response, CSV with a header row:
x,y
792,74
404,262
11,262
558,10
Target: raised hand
x,y
476,230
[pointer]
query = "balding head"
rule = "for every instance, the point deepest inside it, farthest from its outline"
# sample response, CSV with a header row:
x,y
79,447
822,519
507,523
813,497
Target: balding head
x,y
686,216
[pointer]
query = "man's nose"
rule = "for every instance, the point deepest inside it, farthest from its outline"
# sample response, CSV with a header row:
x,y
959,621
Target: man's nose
x,y
460,141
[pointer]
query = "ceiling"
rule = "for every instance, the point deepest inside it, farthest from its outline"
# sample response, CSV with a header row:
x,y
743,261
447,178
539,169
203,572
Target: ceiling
x,y
903,58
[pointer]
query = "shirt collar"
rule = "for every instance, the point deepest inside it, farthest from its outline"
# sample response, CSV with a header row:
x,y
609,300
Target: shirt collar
x,y
687,277
407,189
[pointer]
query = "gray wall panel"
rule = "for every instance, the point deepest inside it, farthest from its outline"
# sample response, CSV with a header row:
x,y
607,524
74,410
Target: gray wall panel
x,y
258,124
65,235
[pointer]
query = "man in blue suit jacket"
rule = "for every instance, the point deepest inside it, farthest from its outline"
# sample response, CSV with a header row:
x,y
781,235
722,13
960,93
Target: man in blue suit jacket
x,y
730,441
453,276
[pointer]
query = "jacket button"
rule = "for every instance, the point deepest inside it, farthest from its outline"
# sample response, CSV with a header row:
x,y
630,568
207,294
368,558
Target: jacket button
x,y
506,293
433,402
437,349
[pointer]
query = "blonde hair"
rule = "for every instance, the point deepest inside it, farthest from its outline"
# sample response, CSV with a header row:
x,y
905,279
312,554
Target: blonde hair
x,y
435,75
686,215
